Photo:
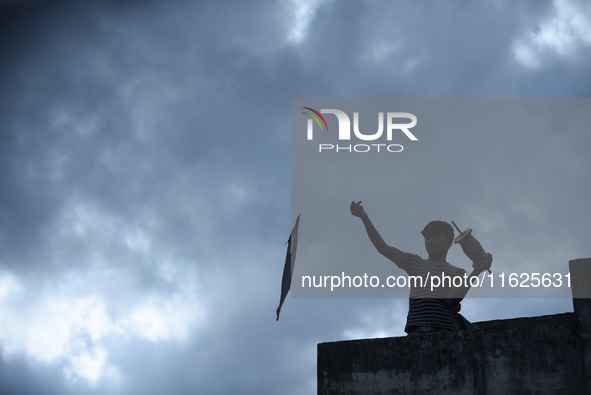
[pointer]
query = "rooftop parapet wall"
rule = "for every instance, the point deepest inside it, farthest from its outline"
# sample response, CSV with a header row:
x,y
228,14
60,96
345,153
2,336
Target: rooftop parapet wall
x,y
539,355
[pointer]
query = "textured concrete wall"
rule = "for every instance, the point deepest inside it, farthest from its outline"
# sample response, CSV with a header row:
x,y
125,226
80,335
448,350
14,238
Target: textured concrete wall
x,y
580,270
539,355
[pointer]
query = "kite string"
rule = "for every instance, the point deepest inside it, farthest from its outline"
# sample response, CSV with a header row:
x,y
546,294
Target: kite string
x,y
335,220
318,234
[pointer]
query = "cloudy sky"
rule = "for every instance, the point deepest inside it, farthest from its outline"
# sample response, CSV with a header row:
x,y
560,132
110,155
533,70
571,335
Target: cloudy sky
x,y
145,178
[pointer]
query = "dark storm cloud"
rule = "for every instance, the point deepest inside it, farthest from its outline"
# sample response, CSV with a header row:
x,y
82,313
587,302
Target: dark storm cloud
x,y
92,86
408,50
113,166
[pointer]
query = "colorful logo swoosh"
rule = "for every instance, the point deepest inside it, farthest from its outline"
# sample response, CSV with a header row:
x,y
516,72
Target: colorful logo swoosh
x,y
315,118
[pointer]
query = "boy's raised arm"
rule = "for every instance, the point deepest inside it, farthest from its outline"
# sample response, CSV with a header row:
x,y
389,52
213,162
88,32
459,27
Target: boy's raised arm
x,y
392,253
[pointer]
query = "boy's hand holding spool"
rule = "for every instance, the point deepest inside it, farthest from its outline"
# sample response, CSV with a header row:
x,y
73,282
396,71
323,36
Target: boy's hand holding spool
x,y
484,264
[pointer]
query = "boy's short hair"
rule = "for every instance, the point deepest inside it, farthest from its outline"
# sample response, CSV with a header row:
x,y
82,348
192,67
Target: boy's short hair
x,y
437,227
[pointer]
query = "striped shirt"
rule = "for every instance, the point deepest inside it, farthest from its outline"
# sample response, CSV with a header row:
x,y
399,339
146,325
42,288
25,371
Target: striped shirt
x,y
426,307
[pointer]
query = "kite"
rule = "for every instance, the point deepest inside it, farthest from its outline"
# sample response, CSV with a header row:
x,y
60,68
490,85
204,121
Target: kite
x,y
292,245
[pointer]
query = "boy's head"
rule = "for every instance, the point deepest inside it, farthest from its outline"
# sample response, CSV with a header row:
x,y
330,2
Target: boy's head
x,y
439,227
439,237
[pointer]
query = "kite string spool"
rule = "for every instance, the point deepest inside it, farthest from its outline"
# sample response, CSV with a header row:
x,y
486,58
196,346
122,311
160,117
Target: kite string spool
x,y
471,247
